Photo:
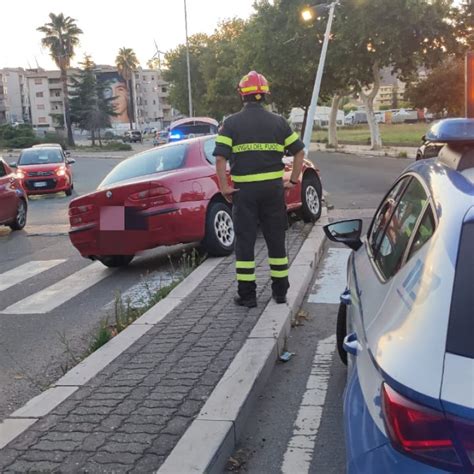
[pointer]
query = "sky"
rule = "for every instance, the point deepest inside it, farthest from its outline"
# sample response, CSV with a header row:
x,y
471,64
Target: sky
x,y
109,25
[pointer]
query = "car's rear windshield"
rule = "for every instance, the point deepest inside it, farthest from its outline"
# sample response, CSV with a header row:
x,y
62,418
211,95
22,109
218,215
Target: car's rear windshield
x,y
461,318
41,156
156,160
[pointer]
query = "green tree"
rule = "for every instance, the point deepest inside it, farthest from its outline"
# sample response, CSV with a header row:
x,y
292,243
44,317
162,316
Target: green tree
x,y
127,63
176,74
61,36
442,91
91,109
400,34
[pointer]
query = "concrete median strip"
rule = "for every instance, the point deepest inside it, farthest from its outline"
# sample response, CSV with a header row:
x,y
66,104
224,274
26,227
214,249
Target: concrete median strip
x,y
213,435
39,406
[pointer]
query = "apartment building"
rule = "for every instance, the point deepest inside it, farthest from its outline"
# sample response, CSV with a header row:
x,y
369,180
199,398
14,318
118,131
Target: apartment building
x,y
152,107
14,99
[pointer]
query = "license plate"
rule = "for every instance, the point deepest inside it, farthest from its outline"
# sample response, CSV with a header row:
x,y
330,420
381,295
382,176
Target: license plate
x,y
40,184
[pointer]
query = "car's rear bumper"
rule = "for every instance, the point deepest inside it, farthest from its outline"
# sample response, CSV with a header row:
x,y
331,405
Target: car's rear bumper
x,y
368,449
164,225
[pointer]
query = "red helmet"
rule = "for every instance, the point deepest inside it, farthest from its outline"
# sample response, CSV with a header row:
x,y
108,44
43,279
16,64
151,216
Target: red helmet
x,y
253,83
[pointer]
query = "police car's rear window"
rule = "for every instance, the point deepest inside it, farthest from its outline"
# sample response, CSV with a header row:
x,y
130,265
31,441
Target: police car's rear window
x,y
461,318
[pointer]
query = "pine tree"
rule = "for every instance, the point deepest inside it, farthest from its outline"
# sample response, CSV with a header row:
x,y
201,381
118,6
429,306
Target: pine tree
x,y
91,109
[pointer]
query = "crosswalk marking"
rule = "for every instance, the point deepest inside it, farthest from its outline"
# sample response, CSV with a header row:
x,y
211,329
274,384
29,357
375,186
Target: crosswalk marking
x,y
55,295
299,453
23,272
331,280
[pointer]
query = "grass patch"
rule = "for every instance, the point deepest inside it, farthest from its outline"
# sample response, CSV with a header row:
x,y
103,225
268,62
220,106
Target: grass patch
x,y
403,134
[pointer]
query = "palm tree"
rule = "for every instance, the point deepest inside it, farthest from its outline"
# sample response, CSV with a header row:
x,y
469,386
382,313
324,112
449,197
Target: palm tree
x,y
127,63
61,36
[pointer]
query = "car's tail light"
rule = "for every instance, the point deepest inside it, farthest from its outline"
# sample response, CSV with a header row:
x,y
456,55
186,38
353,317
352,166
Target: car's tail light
x,y
61,171
149,193
75,211
428,435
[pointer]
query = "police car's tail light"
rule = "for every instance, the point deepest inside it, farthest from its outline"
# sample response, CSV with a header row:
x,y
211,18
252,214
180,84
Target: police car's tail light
x,y
426,434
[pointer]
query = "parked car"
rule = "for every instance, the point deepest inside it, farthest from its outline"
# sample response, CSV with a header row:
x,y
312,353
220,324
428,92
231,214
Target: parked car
x,y
52,145
165,196
161,138
191,128
44,170
439,134
132,136
13,199
405,322
355,117
405,116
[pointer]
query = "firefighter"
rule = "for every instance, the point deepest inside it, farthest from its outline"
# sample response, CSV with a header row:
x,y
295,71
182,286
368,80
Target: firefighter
x,y
254,141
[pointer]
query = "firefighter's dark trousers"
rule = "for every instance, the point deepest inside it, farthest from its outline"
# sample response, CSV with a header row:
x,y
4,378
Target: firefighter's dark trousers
x,y
260,202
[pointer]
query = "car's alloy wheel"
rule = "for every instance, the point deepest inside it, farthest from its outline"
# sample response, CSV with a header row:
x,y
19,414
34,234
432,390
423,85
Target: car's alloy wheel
x,y
220,236
20,218
224,228
311,192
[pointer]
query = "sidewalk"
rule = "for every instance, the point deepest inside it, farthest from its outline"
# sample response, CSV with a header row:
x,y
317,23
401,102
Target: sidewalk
x,y
402,152
131,415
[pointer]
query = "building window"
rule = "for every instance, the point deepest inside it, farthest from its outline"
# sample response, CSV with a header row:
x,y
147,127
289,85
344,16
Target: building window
x,y
38,80
164,90
144,78
146,102
39,94
40,106
42,120
154,102
57,94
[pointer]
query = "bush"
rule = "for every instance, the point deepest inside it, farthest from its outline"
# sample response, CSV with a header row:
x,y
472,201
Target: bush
x,y
55,138
117,146
21,136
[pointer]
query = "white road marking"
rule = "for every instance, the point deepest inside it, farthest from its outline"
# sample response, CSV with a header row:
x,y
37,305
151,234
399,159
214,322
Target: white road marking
x,y
331,281
299,452
23,272
55,295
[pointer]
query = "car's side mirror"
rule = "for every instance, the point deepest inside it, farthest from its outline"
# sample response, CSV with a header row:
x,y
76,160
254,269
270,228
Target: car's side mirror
x,y
423,138
70,161
345,232
13,164
67,153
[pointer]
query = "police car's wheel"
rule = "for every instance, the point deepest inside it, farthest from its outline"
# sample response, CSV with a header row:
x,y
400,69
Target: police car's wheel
x,y
220,235
341,332
311,192
114,261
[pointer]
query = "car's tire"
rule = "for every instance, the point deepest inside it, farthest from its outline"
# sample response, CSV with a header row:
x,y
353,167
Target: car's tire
x,y
341,332
311,197
220,237
69,191
114,261
20,219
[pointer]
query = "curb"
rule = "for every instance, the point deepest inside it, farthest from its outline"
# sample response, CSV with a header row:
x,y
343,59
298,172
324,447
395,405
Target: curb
x,y
39,406
212,437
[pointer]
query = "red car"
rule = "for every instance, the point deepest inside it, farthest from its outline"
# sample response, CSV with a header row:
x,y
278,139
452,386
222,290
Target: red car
x,y
13,200
45,169
165,196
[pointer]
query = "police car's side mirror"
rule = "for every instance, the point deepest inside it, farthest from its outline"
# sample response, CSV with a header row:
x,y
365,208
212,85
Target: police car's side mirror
x,y
345,232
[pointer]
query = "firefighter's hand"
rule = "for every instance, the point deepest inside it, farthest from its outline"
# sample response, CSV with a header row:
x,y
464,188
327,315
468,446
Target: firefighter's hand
x,y
288,185
227,192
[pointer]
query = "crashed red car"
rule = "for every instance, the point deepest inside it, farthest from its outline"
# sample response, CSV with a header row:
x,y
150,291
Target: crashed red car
x,y
165,196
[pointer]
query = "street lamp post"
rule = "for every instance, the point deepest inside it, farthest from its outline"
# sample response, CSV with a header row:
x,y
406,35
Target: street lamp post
x,y
319,75
187,61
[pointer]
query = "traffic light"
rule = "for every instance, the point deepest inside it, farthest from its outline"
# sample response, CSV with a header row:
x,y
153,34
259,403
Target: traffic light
x,y
470,85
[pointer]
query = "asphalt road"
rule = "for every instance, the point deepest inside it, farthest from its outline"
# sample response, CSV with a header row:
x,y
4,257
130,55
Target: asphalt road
x,y
296,425
36,348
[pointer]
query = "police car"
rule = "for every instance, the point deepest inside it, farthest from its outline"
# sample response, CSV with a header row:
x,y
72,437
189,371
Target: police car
x,y
406,320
